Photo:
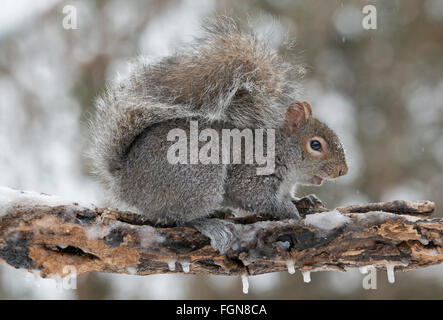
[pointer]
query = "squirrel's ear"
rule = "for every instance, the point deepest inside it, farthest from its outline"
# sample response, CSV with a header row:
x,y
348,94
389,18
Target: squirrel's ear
x,y
296,115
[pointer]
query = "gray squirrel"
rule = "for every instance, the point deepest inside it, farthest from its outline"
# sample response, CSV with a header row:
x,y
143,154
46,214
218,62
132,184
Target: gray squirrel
x,y
226,79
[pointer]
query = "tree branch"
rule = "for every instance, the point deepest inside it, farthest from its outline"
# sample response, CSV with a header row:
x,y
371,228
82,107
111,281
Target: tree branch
x,y
38,233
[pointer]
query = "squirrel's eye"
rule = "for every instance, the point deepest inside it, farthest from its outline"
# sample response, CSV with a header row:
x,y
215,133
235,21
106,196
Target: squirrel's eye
x,y
315,145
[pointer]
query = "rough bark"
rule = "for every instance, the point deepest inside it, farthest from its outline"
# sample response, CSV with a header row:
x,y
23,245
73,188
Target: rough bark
x,y
49,237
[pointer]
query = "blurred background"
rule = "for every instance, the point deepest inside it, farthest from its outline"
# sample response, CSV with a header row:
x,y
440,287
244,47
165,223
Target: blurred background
x,y
381,90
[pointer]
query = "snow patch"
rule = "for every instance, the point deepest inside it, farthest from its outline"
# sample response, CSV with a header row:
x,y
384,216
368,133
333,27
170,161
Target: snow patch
x,y
148,235
326,220
11,197
97,231
373,217
284,245
410,218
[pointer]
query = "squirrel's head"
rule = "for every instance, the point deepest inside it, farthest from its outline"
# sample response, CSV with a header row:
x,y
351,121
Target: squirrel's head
x,y
322,154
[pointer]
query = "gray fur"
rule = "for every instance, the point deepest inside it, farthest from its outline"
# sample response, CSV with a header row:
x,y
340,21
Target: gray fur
x,y
227,75
227,79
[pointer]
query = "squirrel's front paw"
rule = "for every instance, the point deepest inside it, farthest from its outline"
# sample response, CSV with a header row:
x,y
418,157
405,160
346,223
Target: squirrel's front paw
x,y
221,232
308,202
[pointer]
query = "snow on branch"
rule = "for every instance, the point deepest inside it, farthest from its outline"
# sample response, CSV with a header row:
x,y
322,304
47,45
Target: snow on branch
x,y
40,232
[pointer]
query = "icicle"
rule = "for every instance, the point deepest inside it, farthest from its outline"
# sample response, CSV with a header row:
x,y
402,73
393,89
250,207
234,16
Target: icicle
x,y
185,266
245,282
58,281
363,270
306,276
390,270
290,264
33,277
171,265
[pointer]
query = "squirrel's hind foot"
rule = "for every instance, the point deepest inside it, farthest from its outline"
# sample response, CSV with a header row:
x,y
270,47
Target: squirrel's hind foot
x,y
221,232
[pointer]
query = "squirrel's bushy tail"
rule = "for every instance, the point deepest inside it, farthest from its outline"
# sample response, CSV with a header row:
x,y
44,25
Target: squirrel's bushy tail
x,y
227,75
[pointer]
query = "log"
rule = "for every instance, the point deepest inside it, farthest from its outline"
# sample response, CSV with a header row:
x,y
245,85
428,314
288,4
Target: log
x,y
39,232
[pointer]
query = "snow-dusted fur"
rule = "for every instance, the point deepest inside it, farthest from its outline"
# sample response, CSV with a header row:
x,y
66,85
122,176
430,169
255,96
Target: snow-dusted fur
x,y
227,75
